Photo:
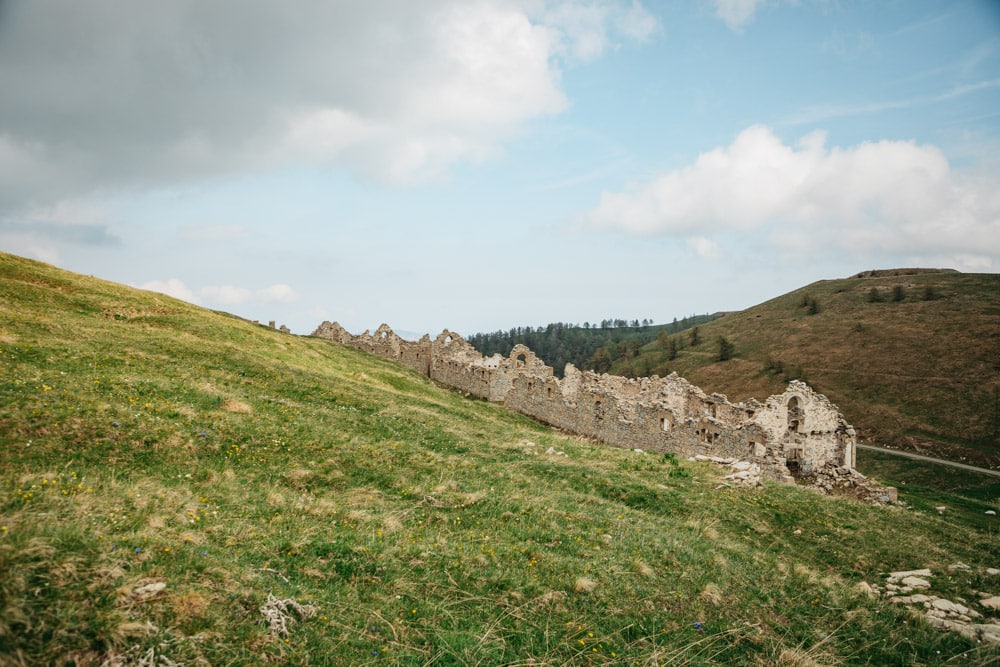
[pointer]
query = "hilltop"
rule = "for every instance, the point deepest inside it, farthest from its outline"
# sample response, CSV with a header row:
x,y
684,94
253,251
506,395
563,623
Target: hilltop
x,y
181,484
912,356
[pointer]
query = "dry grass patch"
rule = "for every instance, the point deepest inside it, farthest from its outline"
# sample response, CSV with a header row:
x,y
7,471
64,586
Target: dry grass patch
x,y
712,594
236,406
794,657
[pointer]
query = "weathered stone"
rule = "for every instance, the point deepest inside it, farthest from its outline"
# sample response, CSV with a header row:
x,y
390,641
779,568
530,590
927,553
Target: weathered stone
x,y
959,566
989,632
992,571
992,603
899,576
915,582
796,431
947,606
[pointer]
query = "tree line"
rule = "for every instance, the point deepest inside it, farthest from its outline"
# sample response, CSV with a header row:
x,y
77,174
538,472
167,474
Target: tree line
x,y
560,343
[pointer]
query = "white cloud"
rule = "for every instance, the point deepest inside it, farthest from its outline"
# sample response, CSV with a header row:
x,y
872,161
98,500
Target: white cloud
x,y
173,287
585,30
704,247
886,196
276,293
396,89
225,295
736,13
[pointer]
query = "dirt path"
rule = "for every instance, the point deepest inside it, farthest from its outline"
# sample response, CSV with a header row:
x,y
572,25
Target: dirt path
x,y
919,457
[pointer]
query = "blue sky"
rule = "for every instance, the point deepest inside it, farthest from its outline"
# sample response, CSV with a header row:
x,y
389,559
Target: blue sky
x,y
482,165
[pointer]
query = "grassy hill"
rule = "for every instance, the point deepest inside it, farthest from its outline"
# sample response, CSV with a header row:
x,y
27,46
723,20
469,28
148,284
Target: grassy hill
x,y
911,358
180,484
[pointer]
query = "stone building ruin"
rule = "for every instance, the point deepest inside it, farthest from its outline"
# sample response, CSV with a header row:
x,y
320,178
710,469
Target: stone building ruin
x,y
797,432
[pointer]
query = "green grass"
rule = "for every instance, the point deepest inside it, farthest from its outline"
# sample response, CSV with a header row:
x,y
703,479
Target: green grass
x,y
144,440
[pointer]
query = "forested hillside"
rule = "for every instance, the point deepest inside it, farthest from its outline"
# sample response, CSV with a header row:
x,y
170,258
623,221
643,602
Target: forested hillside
x,y
583,346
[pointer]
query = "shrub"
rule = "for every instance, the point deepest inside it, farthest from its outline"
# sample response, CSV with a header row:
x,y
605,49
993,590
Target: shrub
x,y
726,349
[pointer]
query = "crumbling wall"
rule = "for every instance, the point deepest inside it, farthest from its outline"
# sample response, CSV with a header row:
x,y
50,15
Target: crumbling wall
x,y
798,430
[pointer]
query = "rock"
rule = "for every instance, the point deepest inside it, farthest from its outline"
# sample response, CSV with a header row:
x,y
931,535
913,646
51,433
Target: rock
x,y
915,582
991,603
959,566
990,632
899,576
742,465
990,513
947,606
149,590
941,508
992,570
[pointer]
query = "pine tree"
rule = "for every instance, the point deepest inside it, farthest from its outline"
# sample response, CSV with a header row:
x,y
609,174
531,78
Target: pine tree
x,y
726,349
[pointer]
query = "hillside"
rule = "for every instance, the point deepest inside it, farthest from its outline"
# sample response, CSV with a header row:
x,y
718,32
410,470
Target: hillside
x,y
559,343
182,486
911,358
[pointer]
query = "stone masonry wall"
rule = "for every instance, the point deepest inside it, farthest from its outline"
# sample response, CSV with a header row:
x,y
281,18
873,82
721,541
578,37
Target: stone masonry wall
x,y
795,431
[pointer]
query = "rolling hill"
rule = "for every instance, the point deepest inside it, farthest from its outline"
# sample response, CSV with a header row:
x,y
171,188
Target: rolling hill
x,y
912,357
181,486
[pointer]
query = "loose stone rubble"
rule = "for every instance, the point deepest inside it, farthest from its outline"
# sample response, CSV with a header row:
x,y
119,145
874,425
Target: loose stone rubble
x,y
957,616
744,473
841,480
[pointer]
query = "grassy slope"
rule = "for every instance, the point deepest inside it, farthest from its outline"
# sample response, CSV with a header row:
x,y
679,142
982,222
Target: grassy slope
x,y
144,440
918,374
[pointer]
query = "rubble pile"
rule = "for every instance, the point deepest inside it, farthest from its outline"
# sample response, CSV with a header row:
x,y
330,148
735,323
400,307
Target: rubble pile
x,y
832,479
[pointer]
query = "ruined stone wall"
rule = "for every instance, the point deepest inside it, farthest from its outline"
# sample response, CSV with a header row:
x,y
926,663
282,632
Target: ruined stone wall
x,y
796,431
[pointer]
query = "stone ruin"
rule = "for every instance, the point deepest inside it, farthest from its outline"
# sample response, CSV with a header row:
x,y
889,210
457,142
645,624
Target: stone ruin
x,y
798,433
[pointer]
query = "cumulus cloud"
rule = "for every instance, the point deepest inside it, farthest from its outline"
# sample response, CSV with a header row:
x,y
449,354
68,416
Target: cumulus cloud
x,y
585,30
110,95
222,295
736,13
173,287
704,247
226,295
885,196
277,294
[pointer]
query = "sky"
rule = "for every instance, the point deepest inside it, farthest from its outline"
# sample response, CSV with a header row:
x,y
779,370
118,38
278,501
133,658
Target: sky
x,y
484,164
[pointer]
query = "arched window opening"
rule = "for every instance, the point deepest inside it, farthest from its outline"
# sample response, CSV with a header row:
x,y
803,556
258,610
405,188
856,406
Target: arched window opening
x,y
796,416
